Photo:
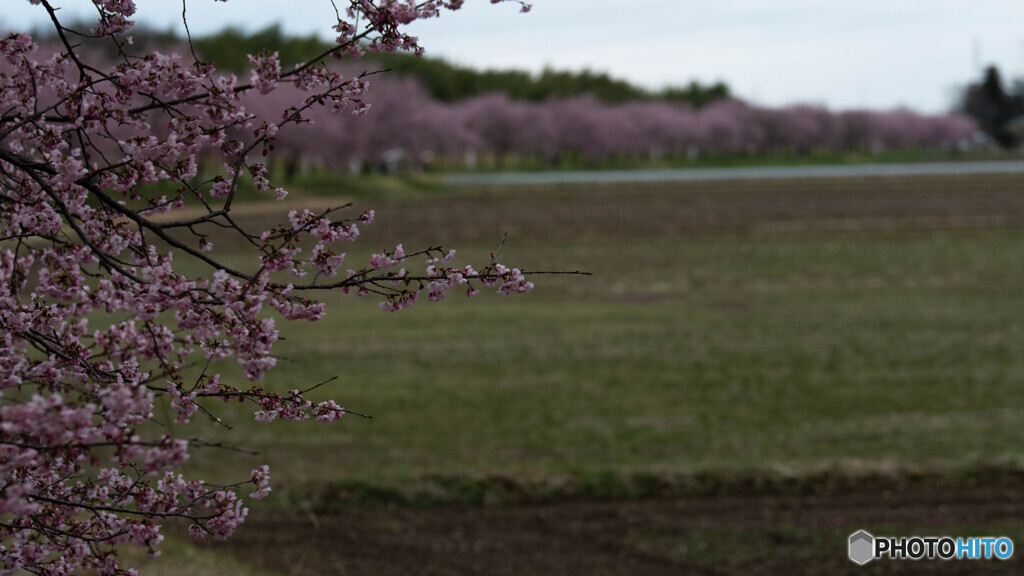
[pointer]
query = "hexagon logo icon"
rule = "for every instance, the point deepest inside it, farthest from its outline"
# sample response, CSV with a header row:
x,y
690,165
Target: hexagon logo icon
x,y
862,547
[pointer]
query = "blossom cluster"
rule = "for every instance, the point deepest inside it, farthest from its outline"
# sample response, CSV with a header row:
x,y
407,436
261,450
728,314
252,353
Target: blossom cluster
x,y
98,316
496,126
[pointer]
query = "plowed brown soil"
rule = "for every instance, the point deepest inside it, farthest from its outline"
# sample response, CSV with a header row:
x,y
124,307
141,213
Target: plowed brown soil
x,y
727,534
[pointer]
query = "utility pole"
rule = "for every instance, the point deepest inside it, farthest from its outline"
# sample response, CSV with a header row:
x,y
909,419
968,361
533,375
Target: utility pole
x,y
1022,59
976,54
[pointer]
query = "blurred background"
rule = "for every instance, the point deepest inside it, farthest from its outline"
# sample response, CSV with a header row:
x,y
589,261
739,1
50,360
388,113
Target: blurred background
x,y
804,224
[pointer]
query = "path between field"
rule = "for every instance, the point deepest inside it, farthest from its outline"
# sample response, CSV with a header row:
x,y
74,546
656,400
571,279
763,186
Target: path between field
x,y
719,535
742,173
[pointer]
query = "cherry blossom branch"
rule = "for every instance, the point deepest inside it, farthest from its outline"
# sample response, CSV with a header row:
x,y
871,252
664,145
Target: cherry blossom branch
x,y
99,321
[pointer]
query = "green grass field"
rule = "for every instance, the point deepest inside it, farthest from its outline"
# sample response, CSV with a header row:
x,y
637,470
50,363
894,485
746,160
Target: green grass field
x,y
699,352
813,332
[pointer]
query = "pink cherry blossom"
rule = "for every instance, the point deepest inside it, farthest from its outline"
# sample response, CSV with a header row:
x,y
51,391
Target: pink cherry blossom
x,y
109,290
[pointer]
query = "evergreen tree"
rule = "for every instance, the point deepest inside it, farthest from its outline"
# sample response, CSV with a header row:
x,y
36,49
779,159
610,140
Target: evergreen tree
x,y
989,104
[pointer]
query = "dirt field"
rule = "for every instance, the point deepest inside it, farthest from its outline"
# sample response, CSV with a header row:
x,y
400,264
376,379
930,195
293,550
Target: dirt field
x,y
719,535
676,208
694,208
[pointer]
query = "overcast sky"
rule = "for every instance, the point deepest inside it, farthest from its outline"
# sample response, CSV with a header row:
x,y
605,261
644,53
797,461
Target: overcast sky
x,y
864,53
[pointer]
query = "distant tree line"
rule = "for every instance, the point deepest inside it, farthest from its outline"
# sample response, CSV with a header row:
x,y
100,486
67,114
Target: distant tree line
x,y
443,80
409,128
447,82
430,113
998,111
